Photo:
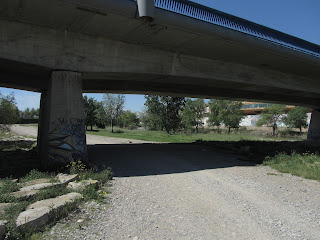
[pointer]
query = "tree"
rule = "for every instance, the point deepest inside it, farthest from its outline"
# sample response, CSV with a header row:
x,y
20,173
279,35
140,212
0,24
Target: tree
x,y
152,116
90,107
193,113
9,113
297,118
216,108
226,112
29,113
272,116
101,115
128,120
164,112
231,116
113,105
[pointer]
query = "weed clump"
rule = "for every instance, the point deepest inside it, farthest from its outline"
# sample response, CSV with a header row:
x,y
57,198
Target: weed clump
x,y
35,174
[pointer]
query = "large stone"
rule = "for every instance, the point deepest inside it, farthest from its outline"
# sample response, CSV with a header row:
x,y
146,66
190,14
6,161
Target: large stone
x,y
39,186
3,229
36,181
80,186
40,213
24,194
66,178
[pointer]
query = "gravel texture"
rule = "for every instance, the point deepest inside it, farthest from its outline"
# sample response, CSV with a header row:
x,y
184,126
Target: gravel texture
x,y
190,191
177,191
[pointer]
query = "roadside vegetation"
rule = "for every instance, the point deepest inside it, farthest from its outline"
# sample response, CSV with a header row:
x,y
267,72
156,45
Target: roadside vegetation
x,y
205,135
18,205
305,165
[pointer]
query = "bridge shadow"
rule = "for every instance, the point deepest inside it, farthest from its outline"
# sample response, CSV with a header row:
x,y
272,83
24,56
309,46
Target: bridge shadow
x,y
154,159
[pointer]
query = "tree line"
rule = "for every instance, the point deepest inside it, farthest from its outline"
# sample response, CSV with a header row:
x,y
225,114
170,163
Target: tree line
x,y
110,111
164,113
10,114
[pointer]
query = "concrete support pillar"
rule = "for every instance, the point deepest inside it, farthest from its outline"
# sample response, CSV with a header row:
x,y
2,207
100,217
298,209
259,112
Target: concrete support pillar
x,y
42,123
62,125
314,127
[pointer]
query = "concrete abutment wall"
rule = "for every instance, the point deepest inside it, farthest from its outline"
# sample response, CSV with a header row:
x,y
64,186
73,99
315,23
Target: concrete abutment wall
x,y
62,136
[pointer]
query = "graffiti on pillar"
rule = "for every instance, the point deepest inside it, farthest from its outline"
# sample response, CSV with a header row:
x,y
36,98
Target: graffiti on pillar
x,y
67,141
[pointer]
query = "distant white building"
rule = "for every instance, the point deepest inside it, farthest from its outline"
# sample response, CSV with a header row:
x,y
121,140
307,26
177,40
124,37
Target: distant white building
x,y
252,112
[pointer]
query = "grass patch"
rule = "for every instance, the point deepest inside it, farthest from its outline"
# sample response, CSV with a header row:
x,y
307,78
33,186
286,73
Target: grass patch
x,y
51,192
8,186
11,214
160,136
91,192
305,165
35,174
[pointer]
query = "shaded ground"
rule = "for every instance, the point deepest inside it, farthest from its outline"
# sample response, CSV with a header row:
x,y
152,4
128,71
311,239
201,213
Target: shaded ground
x,y
193,191
196,191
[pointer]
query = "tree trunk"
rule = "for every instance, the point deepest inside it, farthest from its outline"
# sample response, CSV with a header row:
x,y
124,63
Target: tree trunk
x,y
91,127
111,125
273,131
229,130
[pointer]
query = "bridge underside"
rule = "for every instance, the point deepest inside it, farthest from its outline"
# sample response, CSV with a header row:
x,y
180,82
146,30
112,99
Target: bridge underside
x,y
62,48
34,78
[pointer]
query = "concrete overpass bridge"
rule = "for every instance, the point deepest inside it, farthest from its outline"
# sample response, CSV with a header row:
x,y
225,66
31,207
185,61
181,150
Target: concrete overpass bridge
x,y
62,48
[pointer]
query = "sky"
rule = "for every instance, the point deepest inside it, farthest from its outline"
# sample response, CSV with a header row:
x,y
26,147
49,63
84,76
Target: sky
x,y
299,18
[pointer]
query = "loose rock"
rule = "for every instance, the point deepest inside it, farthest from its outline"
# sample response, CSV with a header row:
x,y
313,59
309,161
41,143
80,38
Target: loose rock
x,y
66,178
39,186
35,182
41,212
79,186
24,194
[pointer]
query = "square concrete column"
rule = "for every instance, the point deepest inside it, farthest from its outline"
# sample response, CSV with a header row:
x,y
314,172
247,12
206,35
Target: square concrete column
x,y
42,123
314,127
62,127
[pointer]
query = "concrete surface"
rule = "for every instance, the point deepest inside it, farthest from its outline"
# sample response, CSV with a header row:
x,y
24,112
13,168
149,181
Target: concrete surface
x,y
81,185
66,178
24,194
314,127
38,186
63,138
116,52
40,213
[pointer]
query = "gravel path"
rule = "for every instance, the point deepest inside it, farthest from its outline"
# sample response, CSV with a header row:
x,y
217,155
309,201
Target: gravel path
x,y
91,139
177,191
190,191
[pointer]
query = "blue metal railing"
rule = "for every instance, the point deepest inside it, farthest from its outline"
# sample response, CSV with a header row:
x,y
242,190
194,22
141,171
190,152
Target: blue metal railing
x,y
216,17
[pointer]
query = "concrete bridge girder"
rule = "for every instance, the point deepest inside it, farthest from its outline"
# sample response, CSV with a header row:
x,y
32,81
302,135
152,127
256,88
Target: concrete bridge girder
x,y
104,61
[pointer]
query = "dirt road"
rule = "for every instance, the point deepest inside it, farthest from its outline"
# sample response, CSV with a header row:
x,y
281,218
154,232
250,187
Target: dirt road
x,y
91,139
190,191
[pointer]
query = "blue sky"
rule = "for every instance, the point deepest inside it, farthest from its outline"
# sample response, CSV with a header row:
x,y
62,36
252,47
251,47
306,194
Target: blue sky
x,y
295,17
